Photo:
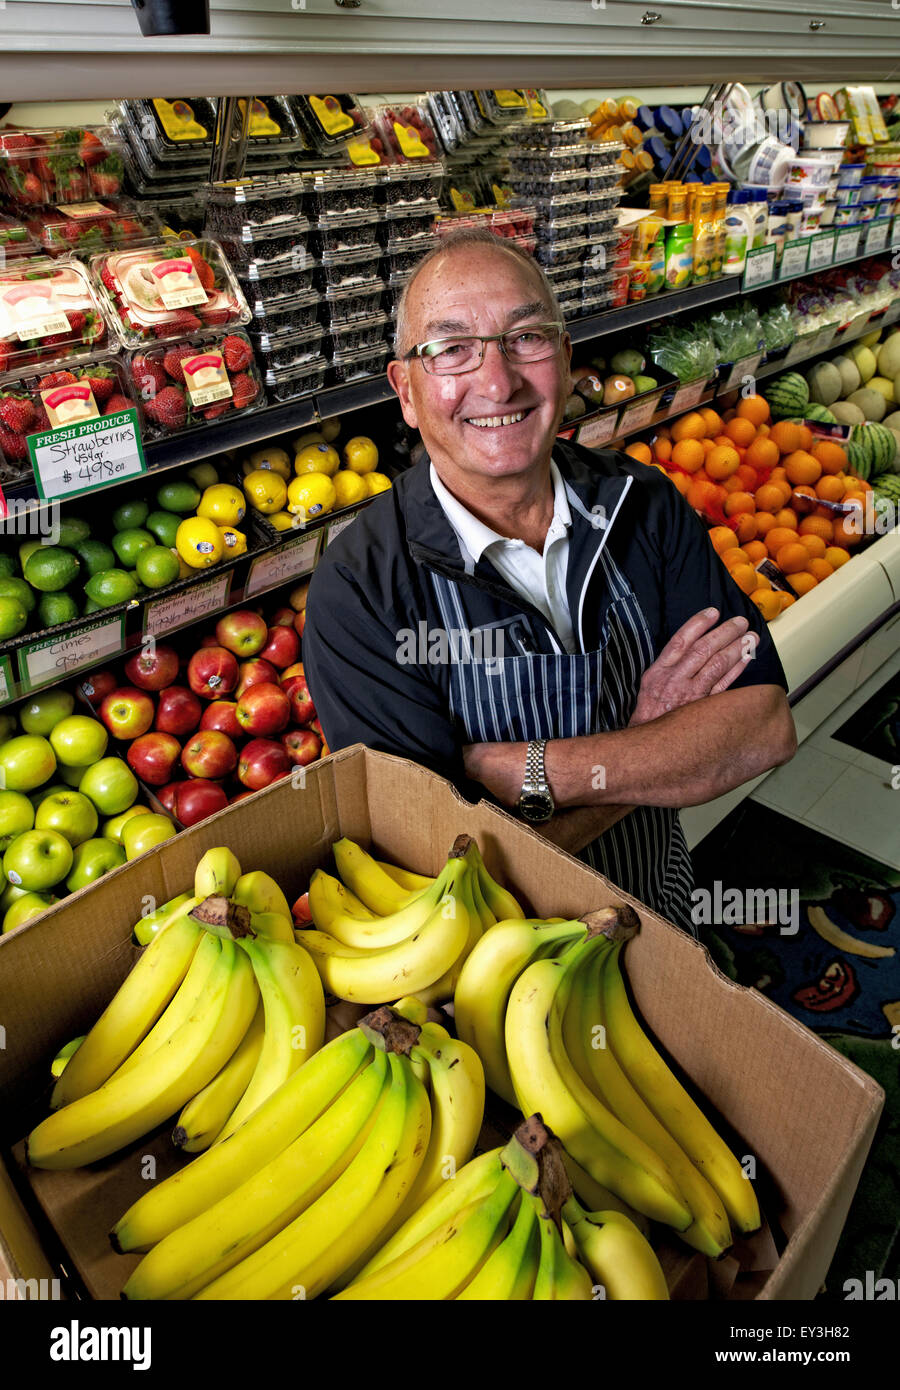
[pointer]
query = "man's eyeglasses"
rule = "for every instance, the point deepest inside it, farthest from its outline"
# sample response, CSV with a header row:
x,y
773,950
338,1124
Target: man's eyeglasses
x,y
465,352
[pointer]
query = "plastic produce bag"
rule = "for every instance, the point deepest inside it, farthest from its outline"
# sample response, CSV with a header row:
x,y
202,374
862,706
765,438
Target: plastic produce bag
x,y
776,326
686,350
736,331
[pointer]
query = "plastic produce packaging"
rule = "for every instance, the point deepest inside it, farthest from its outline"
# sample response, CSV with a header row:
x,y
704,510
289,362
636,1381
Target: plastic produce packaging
x,y
331,120
353,365
48,400
301,380
68,165
168,289
15,240
182,385
687,350
776,326
48,313
359,334
273,325
407,133
290,353
736,331
88,228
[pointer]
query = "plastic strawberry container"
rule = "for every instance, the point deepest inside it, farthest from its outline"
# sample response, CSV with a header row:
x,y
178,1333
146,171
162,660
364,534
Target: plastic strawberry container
x,y
183,385
44,400
16,240
88,228
48,313
62,165
167,290
407,133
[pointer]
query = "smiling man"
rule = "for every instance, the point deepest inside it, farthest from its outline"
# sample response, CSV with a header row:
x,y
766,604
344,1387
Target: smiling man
x,y
533,618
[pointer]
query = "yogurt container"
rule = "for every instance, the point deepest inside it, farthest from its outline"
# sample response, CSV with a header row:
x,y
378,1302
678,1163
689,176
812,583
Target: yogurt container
x,y
850,174
827,213
886,207
846,196
846,215
809,170
866,209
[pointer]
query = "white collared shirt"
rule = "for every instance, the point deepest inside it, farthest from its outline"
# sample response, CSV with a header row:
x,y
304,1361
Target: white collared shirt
x,y
539,579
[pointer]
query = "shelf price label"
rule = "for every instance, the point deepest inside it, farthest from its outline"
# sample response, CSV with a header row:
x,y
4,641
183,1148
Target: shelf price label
x,y
290,561
600,431
687,396
877,236
88,455
745,366
794,259
179,610
635,417
6,680
55,657
336,527
821,250
800,348
892,312
846,244
855,327
759,268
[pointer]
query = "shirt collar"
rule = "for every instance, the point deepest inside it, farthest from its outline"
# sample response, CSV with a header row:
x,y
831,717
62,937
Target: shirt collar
x,y
473,534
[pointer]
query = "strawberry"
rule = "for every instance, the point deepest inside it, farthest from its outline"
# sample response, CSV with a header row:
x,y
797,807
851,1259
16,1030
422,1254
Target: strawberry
x,y
106,182
102,383
244,390
168,408
214,317
205,273
108,279
91,150
115,403
46,383
237,352
148,376
181,322
16,413
173,360
31,190
13,445
219,408
5,351
41,421
20,146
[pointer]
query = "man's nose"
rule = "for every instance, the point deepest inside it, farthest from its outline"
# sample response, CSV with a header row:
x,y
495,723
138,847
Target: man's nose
x,y
497,376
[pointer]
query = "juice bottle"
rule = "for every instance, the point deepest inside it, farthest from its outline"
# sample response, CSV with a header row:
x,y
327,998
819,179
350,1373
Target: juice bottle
x,y
657,199
676,201
721,212
704,233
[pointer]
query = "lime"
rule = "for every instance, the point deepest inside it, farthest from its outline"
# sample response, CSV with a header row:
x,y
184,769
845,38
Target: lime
x,y
17,588
110,587
26,549
157,566
13,617
129,544
203,474
54,609
200,543
181,497
91,607
7,566
50,568
163,525
95,556
129,515
72,531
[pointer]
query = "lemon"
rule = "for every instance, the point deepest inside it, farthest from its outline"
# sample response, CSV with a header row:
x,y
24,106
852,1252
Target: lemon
x,y
311,495
331,429
360,454
317,458
282,521
310,437
199,542
272,458
349,487
223,504
265,490
235,542
377,482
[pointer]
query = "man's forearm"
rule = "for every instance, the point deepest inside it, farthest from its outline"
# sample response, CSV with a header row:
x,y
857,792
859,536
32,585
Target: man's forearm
x,y
572,830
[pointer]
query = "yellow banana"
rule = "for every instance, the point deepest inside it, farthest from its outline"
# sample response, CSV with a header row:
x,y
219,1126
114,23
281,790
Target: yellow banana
x,y
411,1008
485,982
220,1237
669,1101
189,992
295,1019
596,1197
131,1013
221,1169
121,1111
364,877
374,933
216,873
558,1276
328,899
499,900
405,878
273,925
445,987
145,928
202,1119
620,1260
260,893
508,1274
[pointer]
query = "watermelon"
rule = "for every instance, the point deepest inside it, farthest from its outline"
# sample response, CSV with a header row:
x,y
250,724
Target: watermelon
x,y
879,446
887,485
857,456
820,413
788,396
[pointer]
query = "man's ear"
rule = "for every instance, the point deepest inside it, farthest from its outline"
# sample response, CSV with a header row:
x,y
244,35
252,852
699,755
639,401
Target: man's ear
x,y
398,376
567,357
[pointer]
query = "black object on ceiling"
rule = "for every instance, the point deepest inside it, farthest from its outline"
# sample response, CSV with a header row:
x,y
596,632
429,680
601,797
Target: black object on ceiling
x,y
157,17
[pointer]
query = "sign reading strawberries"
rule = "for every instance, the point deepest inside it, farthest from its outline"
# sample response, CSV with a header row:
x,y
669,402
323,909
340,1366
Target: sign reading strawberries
x,y
87,453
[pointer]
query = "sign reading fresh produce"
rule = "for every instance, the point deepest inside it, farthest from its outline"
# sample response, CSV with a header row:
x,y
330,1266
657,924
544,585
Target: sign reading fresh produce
x,y
54,657
197,601
89,453
289,561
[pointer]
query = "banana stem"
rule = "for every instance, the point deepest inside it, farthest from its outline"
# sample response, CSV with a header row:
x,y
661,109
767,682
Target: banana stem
x,y
534,1157
390,1031
615,923
223,918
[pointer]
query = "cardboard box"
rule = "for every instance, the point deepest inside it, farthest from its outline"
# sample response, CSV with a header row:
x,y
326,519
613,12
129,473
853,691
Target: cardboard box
x,y
805,1114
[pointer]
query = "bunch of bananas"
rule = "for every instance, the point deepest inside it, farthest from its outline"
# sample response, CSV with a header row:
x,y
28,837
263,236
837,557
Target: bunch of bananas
x,y
508,1227
373,939
324,1171
545,1006
220,1009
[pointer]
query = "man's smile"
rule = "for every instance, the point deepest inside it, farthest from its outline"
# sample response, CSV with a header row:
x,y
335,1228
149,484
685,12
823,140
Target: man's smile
x,y
488,422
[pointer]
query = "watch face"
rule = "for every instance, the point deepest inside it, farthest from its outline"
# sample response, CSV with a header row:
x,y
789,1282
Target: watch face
x,y
536,806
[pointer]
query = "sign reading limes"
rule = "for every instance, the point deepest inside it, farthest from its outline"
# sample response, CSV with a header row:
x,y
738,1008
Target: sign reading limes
x,y
54,657
86,455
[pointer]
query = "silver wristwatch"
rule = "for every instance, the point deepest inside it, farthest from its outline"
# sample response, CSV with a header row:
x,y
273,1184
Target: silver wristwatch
x,y
535,802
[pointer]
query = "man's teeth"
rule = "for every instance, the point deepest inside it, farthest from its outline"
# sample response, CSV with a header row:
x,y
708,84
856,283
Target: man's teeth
x,y
492,421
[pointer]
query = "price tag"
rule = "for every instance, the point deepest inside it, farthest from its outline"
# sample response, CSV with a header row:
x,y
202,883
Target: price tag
x,y
637,416
824,338
892,312
59,656
800,349
759,268
6,680
794,259
687,396
69,462
599,431
846,244
290,561
821,250
178,610
745,366
877,236
855,327
336,527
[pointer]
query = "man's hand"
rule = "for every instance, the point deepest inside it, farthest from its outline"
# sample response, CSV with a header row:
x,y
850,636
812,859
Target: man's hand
x,y
498,766
699,660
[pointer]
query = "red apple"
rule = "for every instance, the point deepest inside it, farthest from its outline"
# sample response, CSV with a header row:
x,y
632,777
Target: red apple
x,y
255,672
212,672
127,712
242,632
153,668
302,745
197,799
282,617
210,754
241,796
301,913
295,670
178,711
154,758
166,795
220,715
282,647
263,709
301,702
300,622
262,761
210,640
316,726
98,685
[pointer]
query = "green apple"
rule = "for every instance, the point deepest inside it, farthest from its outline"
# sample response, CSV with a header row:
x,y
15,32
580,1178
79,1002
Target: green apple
x,y
42,712
16,815
24,908
79,740
145,832
26,762
112,829
38,860
93,859
7,727
69,813
10,895
49,789
111,785
71,775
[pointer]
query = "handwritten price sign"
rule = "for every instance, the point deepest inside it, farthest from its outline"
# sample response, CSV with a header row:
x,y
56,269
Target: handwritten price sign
x,y
55,657
92,454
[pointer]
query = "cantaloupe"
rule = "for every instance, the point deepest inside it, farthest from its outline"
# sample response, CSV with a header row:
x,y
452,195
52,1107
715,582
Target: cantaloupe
x,y
889,357
871,403
850,378
865,360
884,387
825,384
847,414
892,421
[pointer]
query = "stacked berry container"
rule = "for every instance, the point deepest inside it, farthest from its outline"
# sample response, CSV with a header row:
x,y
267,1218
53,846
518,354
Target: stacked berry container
x,y
409,197
182,385
346,239
87,228
38,401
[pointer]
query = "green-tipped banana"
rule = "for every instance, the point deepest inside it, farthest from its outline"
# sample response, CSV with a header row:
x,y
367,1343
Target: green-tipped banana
x,y
260,893
145,928
499,900
508,1274
64,1056
216,873
203,1118
619,1258
559,1277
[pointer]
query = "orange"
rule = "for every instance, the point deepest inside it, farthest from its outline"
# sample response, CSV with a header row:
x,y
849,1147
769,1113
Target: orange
x,y
746,527
815,546
744,577
807,438
756,550
820,568
764,523
749,477
762,453
688,454
701,494
682,481
663,432
803,581
662,448
792,558
863,485
779,536
640,452
755,409
845,536
723,538
830,455
853,495
733,484
763,431
786,436
786,517
708,446
769,498
802,467
829,488
837,555
742,431
737,502
786,601
735,557
690,426
712,420
761,581
767,601
721,461
816,526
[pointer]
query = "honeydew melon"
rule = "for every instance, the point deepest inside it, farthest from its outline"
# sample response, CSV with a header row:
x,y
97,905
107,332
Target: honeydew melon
x,y
889,358
872,404
850,378
884,387
865,360
825,384
847,414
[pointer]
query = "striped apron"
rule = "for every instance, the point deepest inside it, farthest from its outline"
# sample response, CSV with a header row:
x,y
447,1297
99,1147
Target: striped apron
x,y
512,699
